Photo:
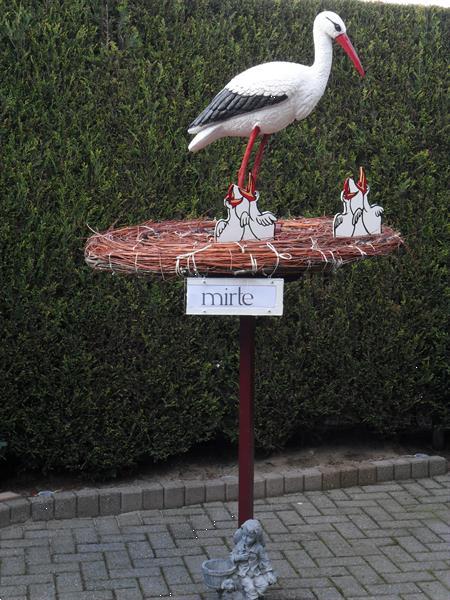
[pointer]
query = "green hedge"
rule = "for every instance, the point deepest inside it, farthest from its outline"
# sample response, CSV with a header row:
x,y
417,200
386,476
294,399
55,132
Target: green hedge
x,y
100,372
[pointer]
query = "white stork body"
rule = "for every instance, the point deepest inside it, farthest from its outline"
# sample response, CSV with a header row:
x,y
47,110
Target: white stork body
x,y
272,95
275,79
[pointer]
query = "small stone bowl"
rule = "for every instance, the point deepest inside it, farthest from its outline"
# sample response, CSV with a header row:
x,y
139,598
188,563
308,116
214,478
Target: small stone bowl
x,y
216,570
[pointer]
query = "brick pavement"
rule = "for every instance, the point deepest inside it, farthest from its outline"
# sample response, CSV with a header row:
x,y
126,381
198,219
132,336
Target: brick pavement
x,y
383,541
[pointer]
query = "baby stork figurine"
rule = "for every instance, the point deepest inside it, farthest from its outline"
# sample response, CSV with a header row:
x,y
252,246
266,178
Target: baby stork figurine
x,y
358,218
244,220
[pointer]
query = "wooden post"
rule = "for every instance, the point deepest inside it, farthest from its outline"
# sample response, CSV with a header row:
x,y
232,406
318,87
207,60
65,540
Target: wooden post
x,y
246,435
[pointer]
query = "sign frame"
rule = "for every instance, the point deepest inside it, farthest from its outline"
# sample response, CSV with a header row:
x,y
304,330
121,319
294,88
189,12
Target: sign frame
x,y
238,298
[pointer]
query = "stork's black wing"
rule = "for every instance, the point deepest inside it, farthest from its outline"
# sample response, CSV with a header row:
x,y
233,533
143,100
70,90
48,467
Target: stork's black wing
x,y
228,104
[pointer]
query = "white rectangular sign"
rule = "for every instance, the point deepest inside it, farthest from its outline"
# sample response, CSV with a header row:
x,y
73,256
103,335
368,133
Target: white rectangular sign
x,y
234,296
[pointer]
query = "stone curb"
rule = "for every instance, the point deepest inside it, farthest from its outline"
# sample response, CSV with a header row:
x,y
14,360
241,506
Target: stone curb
x,y
84,503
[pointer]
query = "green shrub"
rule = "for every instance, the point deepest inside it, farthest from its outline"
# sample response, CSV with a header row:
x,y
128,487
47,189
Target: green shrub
x,y
100,372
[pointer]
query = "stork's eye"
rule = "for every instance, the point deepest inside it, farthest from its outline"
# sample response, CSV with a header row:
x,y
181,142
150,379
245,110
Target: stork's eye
x,y
336,26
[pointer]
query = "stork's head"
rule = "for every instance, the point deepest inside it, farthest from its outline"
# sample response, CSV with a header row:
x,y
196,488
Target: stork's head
x,y
334,27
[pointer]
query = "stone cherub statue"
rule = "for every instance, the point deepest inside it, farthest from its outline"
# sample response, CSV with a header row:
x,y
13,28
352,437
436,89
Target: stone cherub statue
x,y
253,573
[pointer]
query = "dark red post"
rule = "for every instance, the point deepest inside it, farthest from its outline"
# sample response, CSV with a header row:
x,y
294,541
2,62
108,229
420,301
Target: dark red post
x,y
246,436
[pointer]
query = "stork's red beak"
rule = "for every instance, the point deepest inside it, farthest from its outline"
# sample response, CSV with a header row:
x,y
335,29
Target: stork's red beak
x,y
344,41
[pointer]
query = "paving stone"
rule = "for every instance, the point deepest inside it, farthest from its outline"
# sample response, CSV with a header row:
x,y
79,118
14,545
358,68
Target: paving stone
x,y
349,531
443,576
419,467
411,544
131,499
149,564
87,503
231,487
94,570
109,501
307,582
12,565
290,517
194,566
41,591
201,522
20,510
259,487
396,554
78,556
90,595
324,571
348,586
176,575
438,526
384,469
367,474
117,559
321,501
365,574
42,508
69,582
15,580
215,490
306,509
129,594
299,559
138,550
293,482
12,533
13,591
434,589
129,518
438,465
274,484
77,523
153,496
393,588
4,515
312,479
409,576
161,540
194,492
349,476
274,525
327,594
38,555
402,468
153,585
331,478
173,494
110,584
86,536
63,544
65,505
107,526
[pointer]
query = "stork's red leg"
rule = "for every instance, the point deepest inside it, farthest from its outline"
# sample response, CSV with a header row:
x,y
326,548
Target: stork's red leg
x,y
242,175
259,156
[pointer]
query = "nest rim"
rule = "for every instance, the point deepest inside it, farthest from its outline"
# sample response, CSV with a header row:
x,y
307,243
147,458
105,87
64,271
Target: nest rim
x,y
186,248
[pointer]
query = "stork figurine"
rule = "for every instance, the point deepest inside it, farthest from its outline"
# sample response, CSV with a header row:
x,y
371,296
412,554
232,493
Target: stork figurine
x,y
267,98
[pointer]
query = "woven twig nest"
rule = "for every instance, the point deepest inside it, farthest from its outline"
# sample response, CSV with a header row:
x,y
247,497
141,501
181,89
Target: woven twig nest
x,y
184,248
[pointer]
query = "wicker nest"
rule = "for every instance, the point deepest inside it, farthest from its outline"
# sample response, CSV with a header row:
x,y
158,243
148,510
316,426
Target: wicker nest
x,y
185,248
